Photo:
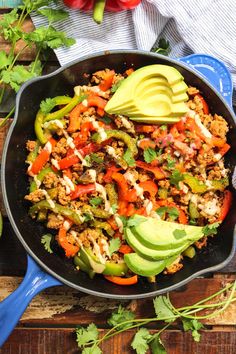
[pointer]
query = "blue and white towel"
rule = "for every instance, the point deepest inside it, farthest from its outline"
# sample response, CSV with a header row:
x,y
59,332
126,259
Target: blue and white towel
x,y
200,26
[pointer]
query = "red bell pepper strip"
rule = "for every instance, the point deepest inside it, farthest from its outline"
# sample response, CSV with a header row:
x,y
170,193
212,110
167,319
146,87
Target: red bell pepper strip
x,y
227,201
123,188
74,117
146,143
110,170
107,81
81,189
150,187
70,250
42,157
225,148
122,281
205,107
158,173
111,221
182,216
73,159
144,128
122,207
125,249
129,71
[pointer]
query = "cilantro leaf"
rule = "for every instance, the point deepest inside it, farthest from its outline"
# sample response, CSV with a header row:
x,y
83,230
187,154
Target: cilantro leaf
x,y
46,241
149,155
192,325
163,308
128,157
49,37
95,201
172,211
176,177
53,15
170,162
210,229
178,233
106,119
92,350
5,60
163,47
86,335
17,76
119,316
140,341
47,105
114,245
157,346
135,220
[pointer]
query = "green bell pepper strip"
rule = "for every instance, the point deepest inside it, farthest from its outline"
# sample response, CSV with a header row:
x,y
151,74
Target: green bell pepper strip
x,y
163,193
104,226
200,187
108,268
59,100
42,216
40,176
65,110
98,213
189,252
84,267
33,154
52,192
41,136
58,209
117,134
116,269
193,212
112,194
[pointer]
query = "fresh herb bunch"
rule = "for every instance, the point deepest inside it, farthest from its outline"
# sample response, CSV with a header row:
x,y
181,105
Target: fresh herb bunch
x,y
163,47
12,74
123,319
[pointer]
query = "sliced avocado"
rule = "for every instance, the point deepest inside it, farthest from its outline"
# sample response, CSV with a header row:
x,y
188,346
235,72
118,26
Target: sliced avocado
x,y
160,234
179,87
149,84
179,108
127,90
150,253
156,120
145,267
182,97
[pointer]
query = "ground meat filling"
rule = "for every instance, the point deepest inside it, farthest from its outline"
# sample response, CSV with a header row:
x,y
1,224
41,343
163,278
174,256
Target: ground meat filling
x,y
83,200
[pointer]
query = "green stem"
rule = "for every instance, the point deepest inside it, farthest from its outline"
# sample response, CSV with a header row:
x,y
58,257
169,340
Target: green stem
x,y
2,93
98,10
3,122
36,59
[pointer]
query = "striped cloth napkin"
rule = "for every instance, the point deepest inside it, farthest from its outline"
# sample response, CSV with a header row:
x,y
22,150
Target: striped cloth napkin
x,y
203,26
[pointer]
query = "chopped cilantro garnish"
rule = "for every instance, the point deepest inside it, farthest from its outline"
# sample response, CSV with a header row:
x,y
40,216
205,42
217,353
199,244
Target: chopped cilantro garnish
x,y
95,201
176,177
149,155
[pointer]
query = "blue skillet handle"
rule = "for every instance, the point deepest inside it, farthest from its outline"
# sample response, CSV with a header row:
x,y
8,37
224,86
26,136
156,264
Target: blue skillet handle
x,y
214,71
12,308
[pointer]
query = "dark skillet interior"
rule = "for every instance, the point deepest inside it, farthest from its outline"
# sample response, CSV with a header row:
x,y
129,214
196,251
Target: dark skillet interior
x,y
16,183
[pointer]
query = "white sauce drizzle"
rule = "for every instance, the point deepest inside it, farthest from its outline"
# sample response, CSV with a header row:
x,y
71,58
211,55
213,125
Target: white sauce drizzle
x,y
101,190
48,198
130,178
55,163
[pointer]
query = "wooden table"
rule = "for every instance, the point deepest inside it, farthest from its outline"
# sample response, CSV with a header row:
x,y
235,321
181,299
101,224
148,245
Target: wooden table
x,y
48,325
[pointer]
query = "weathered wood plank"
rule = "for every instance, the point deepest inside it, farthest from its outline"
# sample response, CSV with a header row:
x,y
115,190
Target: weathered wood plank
x,y
63,305
58,340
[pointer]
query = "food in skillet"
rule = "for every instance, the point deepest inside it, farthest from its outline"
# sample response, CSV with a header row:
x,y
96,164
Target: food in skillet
x,y
127,198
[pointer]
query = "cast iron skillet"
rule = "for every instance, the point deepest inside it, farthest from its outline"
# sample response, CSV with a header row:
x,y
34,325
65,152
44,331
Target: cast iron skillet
x,y
15,182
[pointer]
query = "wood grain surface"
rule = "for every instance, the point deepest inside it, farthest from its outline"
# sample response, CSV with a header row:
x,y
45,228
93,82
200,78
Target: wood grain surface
x,y
48,325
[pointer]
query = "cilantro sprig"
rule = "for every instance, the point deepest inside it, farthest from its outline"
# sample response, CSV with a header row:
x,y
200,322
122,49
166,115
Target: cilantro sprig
x,y
123,319
44,37
46,241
